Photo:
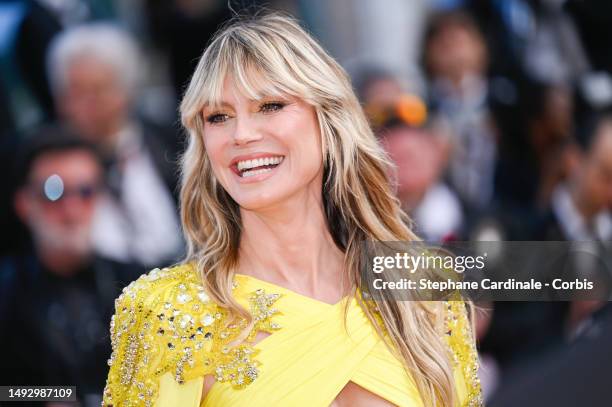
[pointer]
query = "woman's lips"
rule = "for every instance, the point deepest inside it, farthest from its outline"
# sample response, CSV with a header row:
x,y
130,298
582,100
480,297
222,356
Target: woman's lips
x,y
256,164
257,173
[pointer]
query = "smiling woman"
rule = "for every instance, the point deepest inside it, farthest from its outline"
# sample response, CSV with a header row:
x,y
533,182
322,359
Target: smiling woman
x,y
249,141
282,179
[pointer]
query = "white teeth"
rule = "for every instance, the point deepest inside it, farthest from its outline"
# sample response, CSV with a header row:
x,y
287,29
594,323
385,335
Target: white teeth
x,y
247,174
258,162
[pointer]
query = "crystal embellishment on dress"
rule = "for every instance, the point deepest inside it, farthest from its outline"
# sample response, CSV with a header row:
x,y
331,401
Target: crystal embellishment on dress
x,y
203,297
207,320
461,343
183,298
158,329
240,369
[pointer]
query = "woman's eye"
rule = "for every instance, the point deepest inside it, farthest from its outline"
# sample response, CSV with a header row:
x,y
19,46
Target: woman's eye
x,y
271,107
217,118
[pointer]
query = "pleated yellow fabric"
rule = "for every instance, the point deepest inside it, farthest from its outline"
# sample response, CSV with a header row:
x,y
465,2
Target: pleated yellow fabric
x,y
312,357
307,359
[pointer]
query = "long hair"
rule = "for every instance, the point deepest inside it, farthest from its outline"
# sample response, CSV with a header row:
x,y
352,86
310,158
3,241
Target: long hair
x,y
272,55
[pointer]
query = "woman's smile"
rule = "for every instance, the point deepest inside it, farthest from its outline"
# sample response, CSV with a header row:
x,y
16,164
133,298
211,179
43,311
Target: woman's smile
x,y
256,167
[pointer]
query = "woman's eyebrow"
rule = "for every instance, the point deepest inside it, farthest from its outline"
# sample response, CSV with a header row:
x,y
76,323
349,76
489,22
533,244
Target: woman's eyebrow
x,y
217,105
224,104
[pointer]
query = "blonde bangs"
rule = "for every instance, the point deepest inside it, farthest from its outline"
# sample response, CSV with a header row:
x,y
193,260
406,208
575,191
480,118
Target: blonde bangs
x,y
259,67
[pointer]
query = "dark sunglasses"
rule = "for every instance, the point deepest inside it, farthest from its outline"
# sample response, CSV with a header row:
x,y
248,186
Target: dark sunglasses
x,y
85,192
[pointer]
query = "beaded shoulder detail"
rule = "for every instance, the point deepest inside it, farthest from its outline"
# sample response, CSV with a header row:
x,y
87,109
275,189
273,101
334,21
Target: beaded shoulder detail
x,y
460,340
165,322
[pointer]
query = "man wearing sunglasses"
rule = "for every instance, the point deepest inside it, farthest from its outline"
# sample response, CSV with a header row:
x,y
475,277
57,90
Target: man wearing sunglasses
x,y
56,300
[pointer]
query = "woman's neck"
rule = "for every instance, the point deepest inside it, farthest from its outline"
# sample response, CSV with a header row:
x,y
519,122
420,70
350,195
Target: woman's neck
x,y
292,247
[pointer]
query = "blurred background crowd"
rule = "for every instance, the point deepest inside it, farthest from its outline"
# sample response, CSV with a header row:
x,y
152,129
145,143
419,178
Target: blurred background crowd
x,y
497,114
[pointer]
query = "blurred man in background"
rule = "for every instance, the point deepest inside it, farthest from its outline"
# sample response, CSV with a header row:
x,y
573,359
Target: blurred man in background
x,y
56,300
419,154
94,71
580,206
455,57
433,206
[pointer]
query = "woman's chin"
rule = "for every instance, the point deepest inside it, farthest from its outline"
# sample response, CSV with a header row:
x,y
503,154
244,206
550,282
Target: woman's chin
x,y
260,202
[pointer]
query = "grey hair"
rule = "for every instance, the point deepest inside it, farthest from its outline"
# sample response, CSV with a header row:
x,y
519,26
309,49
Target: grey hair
x,y
105,42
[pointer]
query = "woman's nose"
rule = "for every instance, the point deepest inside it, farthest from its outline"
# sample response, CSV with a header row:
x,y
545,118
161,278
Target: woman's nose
x,y
246,131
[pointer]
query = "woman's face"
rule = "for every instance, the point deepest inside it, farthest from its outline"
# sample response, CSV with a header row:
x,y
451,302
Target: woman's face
x,y
263,152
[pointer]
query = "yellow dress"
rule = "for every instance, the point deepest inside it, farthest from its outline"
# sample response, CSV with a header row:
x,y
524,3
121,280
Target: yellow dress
x,y
167,335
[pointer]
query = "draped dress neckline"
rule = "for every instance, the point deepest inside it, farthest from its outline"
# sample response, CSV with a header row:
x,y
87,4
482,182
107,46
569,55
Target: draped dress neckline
x,y
311,358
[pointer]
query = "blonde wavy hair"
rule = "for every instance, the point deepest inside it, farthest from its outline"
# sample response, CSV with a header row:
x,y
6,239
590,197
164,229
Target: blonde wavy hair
x,y
271,55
